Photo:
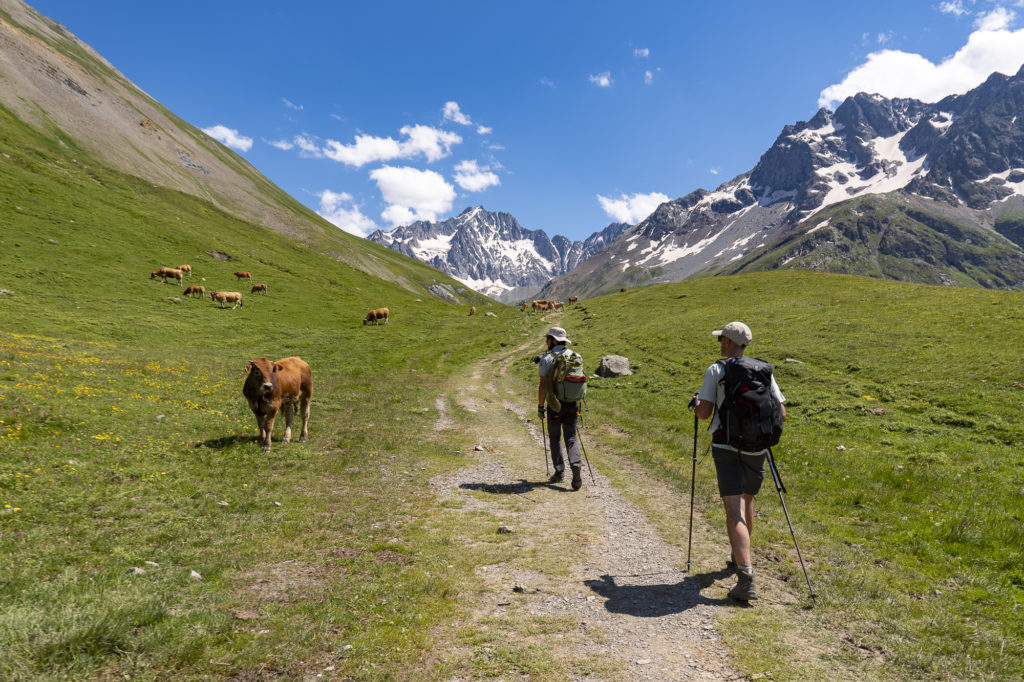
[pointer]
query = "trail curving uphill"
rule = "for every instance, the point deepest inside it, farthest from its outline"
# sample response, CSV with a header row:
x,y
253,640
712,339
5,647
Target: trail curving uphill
x,y
591,584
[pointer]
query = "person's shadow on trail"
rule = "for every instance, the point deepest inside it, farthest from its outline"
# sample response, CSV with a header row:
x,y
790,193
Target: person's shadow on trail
x,y
654,601
520,487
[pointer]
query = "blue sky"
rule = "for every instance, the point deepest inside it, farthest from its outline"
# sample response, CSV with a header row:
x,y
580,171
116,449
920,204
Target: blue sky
x,y
567,114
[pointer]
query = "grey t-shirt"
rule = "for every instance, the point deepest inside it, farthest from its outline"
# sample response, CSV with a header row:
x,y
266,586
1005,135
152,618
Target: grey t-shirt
x,y
713,391
549,357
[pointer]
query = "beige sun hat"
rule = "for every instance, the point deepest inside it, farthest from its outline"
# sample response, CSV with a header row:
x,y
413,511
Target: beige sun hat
x,y
737,332
558,334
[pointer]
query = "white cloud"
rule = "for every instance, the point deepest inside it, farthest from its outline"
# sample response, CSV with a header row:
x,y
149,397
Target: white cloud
x,y
953,7
338,208
894,73
602,80
641,52
884,38
412,194
648,77
484,130
714,171
307,147
229,137
281,144
547,81
290,105
631,208
429,142
473,178
999,19
452,112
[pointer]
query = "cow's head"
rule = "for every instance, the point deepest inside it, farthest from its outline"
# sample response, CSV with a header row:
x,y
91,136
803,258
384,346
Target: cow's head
x,y
261,374
154,274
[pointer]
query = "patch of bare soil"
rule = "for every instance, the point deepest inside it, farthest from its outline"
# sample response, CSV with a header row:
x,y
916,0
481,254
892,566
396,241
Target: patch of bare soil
x,y
588,560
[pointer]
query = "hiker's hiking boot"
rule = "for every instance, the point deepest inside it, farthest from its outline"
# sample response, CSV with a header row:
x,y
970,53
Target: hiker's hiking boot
x,y
556,477
744,589
577,480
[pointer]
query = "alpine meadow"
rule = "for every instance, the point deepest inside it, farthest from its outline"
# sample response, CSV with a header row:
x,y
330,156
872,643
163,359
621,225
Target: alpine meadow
x,y
145,535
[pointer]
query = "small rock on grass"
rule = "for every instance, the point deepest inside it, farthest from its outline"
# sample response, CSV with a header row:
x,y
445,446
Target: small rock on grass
x,y
135,570
506,529
194,575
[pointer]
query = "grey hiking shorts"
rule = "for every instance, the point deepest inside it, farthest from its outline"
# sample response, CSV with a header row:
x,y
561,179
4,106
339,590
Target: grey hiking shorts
x,y
738,473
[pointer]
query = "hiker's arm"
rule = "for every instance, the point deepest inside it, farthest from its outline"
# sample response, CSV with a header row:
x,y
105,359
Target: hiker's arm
x,y
542,393
704,409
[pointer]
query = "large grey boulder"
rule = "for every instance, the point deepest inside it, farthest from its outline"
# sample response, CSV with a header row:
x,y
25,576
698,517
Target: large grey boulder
x,y
614,366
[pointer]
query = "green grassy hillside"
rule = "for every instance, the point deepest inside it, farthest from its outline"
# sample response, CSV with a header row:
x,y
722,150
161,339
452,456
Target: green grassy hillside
x,y
901,455
124,437
124,440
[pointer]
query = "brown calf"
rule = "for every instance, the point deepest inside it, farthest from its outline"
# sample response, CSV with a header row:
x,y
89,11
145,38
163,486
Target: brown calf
x,y
559,305
196,290
244,275
258,287
187,269
271,386
376,315
472,310
223,297
164,273
573,299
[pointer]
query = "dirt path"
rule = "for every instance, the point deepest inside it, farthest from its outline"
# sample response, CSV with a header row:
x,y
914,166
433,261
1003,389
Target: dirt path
x,y
591,583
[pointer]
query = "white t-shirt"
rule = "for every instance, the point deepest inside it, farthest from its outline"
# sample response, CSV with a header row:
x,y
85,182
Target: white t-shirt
x,y
712,390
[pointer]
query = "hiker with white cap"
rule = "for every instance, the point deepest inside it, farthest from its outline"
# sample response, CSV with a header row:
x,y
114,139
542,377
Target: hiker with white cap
x,y
740,471
561,410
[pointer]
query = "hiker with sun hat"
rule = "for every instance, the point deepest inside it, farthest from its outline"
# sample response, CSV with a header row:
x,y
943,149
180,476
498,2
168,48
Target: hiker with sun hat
x,y
561,414
740,471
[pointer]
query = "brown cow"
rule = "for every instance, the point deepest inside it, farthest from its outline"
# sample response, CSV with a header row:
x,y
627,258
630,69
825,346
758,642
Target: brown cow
x,y
525,306
559,306
541,305
244,275
376,315
270,386
223,297
472,310
187,269
164,273
196,290
622,290
258,287
573,299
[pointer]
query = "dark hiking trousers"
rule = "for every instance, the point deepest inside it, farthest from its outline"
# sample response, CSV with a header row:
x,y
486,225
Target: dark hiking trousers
x,y
563,425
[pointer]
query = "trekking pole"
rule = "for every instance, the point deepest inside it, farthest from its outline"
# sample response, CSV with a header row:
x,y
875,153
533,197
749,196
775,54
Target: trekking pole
x,y
780,487
693,477
544,437
584,448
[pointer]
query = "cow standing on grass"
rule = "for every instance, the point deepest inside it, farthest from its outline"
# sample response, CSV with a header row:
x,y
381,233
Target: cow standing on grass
x,y
165,273
198,291
244,274
377,315
271,386
257,288
187,269
223,297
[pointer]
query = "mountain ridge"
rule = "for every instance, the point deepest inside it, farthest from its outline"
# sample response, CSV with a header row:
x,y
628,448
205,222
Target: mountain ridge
x,y
492,253
961,159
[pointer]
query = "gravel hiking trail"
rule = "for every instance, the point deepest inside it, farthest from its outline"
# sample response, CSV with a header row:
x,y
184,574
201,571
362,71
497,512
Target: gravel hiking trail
x,y
591,584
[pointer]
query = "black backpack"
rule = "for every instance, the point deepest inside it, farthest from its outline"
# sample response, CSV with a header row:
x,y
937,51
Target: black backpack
x,y
750,418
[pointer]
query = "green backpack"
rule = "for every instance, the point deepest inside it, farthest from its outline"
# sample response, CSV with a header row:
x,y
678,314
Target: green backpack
x,y
566,379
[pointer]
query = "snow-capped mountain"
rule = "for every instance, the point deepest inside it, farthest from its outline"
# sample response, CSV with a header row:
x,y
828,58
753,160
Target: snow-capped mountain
x,y
492,253
886,187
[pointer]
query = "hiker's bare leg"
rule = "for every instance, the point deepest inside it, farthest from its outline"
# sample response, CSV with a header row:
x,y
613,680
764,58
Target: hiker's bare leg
x,y
739,531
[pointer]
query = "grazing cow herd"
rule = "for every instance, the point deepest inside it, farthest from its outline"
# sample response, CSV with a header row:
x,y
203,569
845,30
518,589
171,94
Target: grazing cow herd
x,y
287,384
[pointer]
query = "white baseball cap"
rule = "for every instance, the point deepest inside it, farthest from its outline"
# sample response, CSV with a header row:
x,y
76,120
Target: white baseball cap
x,y
737,332
558,334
